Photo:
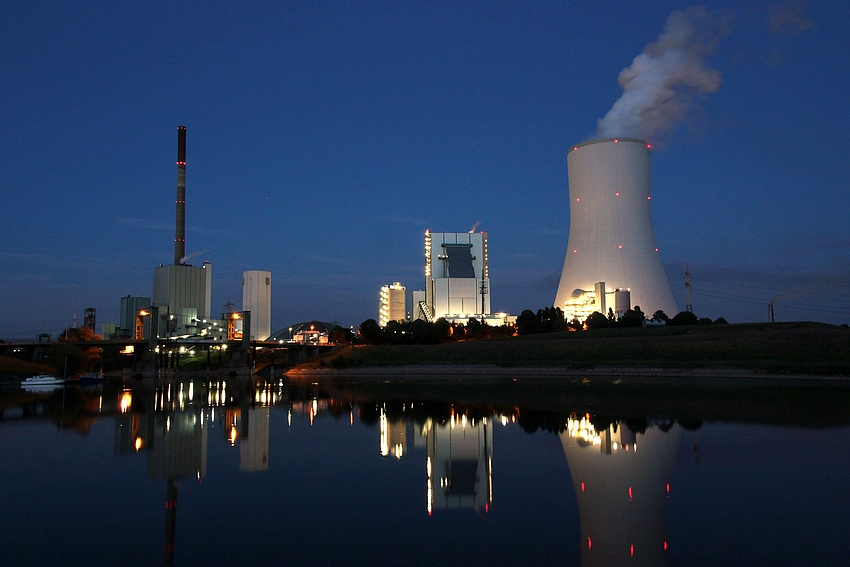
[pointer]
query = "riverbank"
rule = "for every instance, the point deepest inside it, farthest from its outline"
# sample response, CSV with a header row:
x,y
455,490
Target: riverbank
x,y
733,351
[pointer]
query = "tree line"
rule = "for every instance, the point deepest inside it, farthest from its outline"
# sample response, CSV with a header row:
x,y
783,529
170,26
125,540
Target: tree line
x,y
547,320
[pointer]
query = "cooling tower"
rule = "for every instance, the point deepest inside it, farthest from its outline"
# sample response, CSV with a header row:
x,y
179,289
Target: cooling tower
x,y
611,237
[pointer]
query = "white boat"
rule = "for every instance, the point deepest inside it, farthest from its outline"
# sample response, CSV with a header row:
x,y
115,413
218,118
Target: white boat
x,y
42,380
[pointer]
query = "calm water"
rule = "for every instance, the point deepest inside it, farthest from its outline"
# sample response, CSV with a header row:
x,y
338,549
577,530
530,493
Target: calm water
x,y
193,472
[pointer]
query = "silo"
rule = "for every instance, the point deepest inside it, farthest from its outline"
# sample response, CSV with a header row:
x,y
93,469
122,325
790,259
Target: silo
x,y
611,238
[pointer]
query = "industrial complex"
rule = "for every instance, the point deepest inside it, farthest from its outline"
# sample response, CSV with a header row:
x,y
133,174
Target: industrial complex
x,y
612,263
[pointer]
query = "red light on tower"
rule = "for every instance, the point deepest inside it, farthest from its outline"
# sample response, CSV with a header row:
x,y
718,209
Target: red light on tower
x,y
589,543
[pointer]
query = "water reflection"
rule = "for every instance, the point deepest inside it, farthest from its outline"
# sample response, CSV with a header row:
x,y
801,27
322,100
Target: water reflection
x,y
459,463
621,465
621,476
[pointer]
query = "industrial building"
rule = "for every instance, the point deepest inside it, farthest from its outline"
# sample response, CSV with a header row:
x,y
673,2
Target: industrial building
x,y
257,298
181,292
457,278
393,304
611,239
130,307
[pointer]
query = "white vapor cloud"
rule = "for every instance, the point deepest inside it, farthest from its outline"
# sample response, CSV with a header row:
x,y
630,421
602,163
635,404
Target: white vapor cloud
x,y
662,83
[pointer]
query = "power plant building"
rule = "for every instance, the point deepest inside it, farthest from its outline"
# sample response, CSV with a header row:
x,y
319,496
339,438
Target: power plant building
x,y
457,278
611,247
257,298
393,304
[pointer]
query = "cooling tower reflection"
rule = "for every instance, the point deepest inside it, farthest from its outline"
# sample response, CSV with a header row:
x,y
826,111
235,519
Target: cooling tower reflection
x,y
621,479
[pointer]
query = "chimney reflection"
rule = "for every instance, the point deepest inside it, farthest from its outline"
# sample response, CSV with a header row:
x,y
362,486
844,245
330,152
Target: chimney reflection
x,y
621,478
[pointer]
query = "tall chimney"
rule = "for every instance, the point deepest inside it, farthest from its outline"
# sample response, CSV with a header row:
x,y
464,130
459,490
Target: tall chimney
x,y
180,227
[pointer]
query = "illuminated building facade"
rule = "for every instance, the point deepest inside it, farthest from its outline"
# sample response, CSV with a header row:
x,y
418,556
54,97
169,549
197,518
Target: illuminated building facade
x,y
457,276
257,298
622,483
611,237
459,463
393,304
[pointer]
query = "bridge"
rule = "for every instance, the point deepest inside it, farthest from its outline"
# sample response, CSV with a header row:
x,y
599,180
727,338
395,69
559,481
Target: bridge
x,y
147,355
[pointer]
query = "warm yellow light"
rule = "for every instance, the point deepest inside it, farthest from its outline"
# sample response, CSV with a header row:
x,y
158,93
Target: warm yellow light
x,y
126,402
233,435
143,313
139,443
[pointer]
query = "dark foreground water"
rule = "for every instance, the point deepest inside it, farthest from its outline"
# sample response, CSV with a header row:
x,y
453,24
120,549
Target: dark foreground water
x,y
232,472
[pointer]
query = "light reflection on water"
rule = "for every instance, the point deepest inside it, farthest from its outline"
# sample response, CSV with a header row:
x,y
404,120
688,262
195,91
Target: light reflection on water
x,y
186,472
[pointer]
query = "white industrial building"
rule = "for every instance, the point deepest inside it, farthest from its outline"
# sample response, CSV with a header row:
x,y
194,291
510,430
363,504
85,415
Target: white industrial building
x,y
457,278
611,238
393,304
257,298
181,294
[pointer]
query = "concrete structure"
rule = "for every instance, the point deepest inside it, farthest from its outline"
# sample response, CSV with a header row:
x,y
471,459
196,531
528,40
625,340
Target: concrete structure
x,y
622,485
130,307
393,304
611,238
257,298
181,292
457,278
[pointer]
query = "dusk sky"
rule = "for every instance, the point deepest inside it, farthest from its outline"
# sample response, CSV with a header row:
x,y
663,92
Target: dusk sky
x,y
324,138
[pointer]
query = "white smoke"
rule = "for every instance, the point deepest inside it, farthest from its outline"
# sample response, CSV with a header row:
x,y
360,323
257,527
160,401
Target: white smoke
x,y
662,83
190,256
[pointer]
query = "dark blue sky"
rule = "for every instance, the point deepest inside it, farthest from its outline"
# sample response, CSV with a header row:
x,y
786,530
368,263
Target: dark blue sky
x,y
325,137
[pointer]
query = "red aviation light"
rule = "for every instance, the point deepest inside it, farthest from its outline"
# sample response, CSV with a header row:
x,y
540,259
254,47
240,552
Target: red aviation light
x,y
656,249
630,493
582,487
648,198
648,146
665,545
589,543
615,141
632,549
577,199
574,251
617,194
620,246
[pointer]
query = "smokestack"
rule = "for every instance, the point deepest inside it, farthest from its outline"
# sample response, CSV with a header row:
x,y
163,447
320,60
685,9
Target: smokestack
x,y
180,225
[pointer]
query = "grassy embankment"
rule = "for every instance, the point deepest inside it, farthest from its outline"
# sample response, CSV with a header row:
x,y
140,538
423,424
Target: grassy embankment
x,y
11,367
779,348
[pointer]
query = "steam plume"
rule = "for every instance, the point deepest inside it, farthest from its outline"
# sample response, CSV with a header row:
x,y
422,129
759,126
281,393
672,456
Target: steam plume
x,y
662,83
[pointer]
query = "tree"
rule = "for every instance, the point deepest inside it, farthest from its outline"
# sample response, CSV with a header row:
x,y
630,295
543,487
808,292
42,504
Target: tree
x,y
340,335
370,332
527,323
660,316
442,330
632,318
721,321
597,320
551,320
684,318
68,359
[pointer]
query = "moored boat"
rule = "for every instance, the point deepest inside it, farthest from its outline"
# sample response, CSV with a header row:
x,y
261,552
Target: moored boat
x,y
42,380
